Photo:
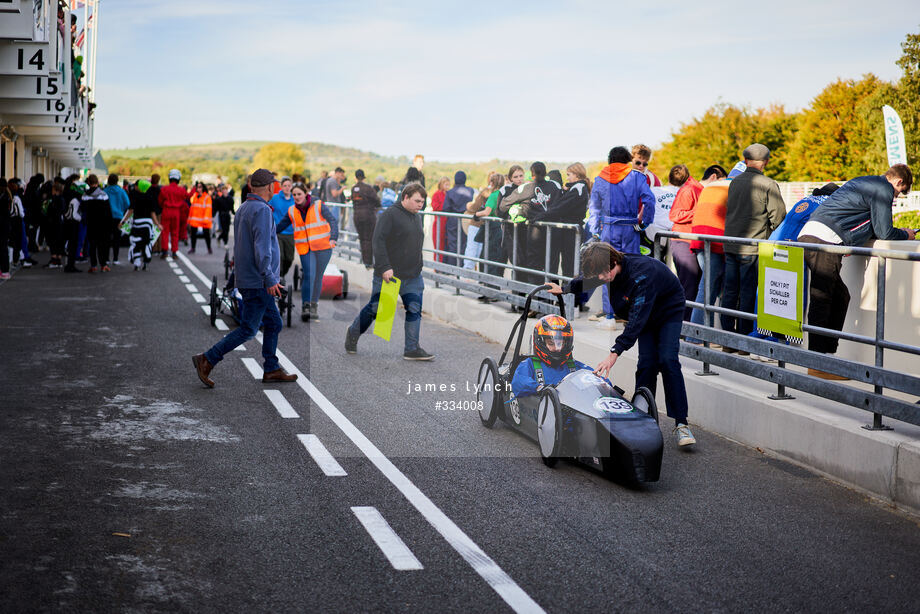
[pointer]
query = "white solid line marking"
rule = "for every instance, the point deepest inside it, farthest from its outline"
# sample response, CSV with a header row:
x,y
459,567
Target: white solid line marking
x,y
281,404
254,367
386,539
320,454
184,279
191,287
221,325
199,298
482,564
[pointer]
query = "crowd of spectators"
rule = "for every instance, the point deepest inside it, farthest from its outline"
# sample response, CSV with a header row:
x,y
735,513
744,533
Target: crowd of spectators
x,y
502,223
81,221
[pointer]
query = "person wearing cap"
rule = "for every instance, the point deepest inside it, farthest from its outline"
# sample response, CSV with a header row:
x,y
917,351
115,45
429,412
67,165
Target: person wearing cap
x,y
142,211
171,199
857,212
280,203
366,203
455,202
256,270
755,208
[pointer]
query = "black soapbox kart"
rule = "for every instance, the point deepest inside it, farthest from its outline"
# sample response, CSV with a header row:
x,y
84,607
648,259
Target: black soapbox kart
x,y
584,417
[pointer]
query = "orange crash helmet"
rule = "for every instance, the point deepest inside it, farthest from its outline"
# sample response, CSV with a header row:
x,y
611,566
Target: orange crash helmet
x,y
553,340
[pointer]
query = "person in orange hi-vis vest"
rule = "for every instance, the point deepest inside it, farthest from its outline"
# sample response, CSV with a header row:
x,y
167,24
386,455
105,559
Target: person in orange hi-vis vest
x,y
200,216
315,233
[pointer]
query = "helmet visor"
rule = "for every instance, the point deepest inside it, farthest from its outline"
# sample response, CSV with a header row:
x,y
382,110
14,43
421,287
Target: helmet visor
x,y
555,340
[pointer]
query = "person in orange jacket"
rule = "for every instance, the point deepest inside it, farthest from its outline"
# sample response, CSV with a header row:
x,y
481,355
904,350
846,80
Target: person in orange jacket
x,y
200,217
316,231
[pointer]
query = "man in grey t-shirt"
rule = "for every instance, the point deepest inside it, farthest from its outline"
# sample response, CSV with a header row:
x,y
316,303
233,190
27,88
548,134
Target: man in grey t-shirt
x,y
334,192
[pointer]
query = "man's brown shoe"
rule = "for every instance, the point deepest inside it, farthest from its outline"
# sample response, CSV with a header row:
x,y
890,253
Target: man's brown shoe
x,y
828,376
278,375
203,367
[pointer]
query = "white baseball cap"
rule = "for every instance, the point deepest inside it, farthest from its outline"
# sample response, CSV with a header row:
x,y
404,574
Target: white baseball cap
x,y
175,174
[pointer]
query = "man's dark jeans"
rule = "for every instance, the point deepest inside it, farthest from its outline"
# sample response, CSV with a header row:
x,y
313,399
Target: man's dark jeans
x,y
740,291
258,307
828,296
658,353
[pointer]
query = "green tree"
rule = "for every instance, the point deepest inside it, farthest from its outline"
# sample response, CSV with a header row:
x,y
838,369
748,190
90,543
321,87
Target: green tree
x,y
908,94
282,158
721,134
842,135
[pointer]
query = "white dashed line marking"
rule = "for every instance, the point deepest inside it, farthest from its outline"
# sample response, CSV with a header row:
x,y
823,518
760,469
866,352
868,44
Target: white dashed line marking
x,y
482,563
184,279
254,367
191,287
221,325
321,456
281,404
199,298
387,540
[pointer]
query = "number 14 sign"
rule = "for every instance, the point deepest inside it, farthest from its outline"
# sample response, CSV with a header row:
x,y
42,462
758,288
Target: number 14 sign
x,y
24,58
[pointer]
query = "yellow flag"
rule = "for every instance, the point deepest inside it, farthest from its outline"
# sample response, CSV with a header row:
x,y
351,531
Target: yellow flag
x,y
386,308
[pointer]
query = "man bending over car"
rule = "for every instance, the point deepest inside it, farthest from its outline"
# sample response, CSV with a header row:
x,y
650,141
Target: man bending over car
x,y
649,296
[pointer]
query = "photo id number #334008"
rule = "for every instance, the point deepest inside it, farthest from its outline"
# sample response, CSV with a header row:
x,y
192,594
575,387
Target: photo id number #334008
x,y
454,405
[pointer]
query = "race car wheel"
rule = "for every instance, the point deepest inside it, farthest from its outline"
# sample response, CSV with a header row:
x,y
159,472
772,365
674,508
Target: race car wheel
x,y
213,300
488,392
549,427
288,300
644,401
226,266
296,282
344,285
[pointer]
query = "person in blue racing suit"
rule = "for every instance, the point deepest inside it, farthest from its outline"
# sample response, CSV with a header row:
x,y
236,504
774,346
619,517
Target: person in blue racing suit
x,y
553,340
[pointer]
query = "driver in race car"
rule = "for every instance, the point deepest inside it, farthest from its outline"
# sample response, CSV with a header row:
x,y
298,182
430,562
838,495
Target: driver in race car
x,y
553,340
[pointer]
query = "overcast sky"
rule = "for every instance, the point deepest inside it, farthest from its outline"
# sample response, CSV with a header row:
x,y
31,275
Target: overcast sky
x,y
470,80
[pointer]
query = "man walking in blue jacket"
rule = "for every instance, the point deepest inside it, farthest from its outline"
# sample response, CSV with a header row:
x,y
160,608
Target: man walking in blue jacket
x,y
857,212
256,270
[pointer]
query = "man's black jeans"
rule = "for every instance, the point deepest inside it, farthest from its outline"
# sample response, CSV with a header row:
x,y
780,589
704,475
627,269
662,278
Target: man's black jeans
x,y
828,297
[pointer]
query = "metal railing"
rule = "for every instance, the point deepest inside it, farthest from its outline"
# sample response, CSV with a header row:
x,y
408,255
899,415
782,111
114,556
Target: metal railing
x,y
877,375
508,286
513,290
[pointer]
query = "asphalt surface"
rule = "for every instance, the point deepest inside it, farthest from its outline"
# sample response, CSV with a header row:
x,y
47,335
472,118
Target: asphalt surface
x,y
128,486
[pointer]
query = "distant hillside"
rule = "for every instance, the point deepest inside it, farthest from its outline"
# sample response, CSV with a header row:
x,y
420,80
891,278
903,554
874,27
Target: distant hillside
x,y
232,160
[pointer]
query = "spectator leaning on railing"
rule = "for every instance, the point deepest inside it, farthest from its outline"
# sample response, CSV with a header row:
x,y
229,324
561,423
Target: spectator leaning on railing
x,y
755,208
857,212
